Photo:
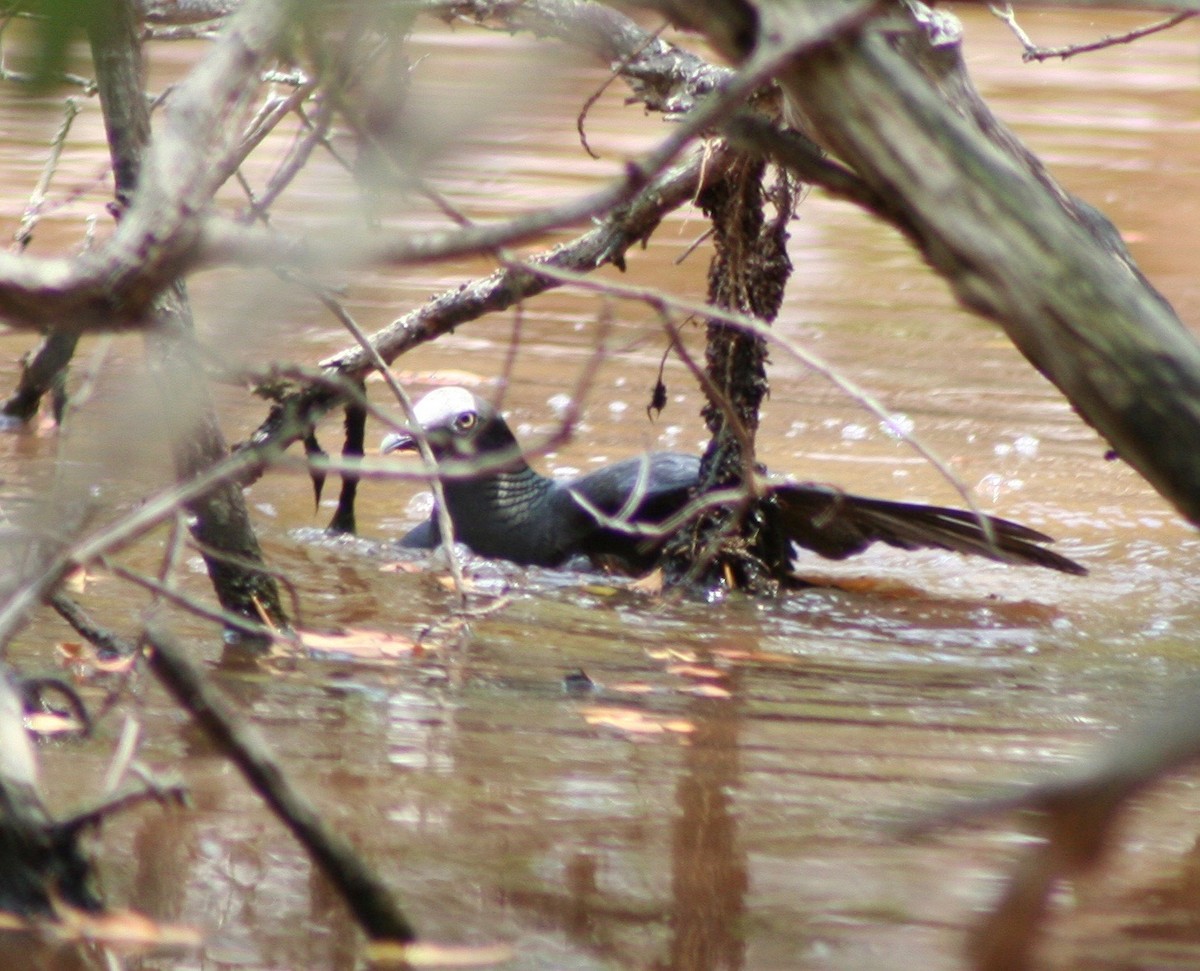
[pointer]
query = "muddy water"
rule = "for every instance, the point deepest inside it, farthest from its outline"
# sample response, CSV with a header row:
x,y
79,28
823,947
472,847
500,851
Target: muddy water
x,y
722,798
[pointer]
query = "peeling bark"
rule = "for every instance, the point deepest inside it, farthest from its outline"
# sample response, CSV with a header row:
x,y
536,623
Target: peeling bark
x,y
748,274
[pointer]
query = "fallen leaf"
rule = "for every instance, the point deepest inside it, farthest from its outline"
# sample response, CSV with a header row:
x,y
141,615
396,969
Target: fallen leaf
x,y
446,582
633,688
360,644
651,584
635,722
707,691
623,719
671,654
123,927
759,657
428,954
695,671
873,586
83,660
52,723
401,566
600,589
115,665
76,580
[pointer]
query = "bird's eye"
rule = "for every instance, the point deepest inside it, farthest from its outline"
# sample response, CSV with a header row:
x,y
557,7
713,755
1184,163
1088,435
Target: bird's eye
x,y
465,421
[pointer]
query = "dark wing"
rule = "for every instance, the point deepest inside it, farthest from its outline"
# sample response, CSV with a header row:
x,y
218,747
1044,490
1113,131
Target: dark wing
x,y
837,524
660,481
644,490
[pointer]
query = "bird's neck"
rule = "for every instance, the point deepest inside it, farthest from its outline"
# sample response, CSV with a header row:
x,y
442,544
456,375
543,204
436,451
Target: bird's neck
x,y
507,494
519,485
507,513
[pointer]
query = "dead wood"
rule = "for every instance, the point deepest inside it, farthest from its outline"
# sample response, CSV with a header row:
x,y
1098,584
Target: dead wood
x,y
221,523
365,894
40,862
298,409
43,371
748,274
888,96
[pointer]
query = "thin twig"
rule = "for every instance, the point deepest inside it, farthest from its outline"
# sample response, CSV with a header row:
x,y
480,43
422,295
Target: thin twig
x,y
88,629
82,550
134,795
222,242
281,577
122,755
167,592
37,198
614,72
1034,52
664,302
441,510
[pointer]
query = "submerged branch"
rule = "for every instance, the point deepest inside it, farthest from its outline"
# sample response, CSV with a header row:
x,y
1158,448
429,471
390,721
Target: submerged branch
x,y
367,897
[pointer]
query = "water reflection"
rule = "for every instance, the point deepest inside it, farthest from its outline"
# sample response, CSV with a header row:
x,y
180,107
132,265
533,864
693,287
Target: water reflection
x,y
709,877
606,897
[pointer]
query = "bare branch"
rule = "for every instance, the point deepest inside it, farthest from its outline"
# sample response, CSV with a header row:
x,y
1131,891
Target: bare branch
x,y
155,510
368,898
37,199
161,236
1034,52
663,303
606,243
115,284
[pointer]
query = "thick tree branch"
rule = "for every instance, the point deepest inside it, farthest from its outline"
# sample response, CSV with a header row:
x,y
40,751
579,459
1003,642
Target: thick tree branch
x,y
662,76
1013,245
115,284
164,234
220,520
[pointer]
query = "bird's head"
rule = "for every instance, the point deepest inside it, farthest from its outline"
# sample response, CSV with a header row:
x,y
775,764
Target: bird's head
x,y
457,425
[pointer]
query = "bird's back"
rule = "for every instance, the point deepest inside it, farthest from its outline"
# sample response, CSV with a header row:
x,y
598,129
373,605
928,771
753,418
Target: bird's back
x,y
657,478
635,492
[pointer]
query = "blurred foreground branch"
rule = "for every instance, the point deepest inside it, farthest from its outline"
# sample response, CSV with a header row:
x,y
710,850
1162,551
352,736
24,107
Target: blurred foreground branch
x,y
1075,816
218,520
297,410
368,898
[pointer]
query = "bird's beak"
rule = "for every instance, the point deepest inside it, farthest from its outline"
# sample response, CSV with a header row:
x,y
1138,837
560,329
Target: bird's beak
x,y
397,442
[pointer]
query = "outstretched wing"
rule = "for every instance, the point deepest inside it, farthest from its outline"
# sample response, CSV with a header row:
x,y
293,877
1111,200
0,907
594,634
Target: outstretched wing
x,y
837,524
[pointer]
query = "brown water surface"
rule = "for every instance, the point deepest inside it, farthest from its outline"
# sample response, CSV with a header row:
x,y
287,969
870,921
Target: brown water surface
x,y
745,827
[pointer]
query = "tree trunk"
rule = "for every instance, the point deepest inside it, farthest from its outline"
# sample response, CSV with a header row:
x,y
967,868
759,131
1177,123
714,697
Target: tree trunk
x,y
220,522
748,274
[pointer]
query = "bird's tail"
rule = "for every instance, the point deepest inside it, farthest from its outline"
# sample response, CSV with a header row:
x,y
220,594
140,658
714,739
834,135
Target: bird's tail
x,y
837,524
